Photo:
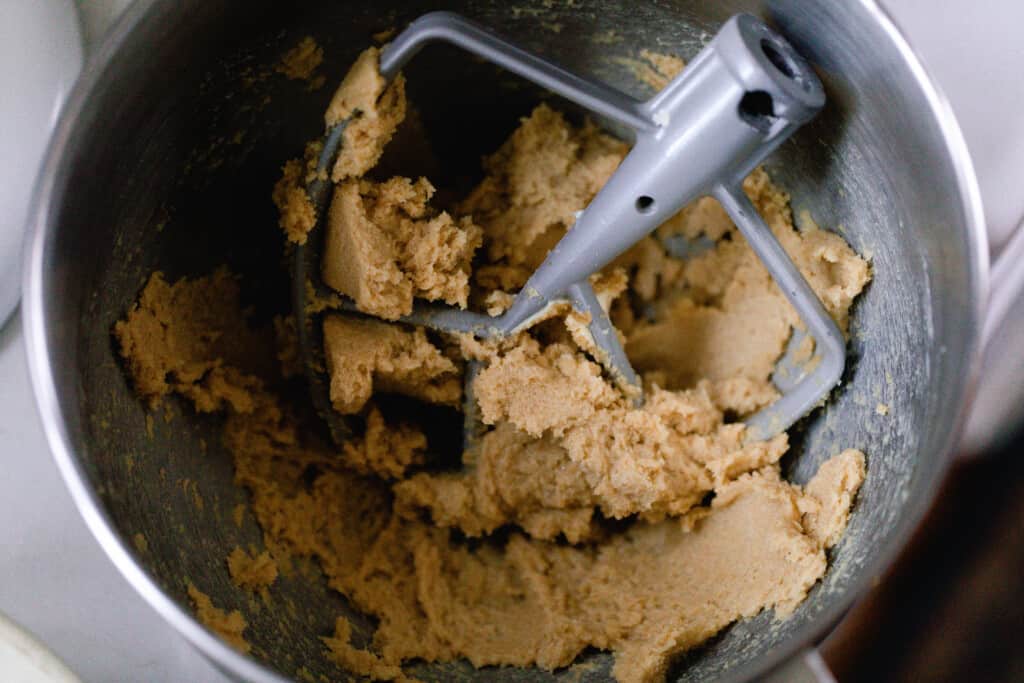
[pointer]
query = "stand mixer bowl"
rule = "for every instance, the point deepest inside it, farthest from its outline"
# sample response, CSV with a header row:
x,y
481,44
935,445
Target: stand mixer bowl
x,y
164,160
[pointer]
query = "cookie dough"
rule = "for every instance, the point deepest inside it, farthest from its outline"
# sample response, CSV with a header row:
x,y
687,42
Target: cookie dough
x,y
643,531
252,571
364,356
301,62
230,626
384,247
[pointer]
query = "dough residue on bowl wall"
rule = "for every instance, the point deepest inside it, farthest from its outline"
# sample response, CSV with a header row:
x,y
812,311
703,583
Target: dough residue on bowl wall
x,y
230,626
301,62
579,520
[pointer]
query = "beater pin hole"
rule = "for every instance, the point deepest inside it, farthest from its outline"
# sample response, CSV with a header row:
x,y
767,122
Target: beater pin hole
x,y
645,204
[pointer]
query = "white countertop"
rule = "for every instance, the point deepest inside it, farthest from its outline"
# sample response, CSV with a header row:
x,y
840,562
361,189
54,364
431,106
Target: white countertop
x,y
58,583
55,580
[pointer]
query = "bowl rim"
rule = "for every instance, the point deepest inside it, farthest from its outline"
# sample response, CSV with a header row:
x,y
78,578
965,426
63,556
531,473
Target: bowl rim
x,y
41,228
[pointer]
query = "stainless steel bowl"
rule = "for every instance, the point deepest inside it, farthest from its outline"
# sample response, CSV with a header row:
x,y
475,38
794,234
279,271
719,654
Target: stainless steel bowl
x,y
148,171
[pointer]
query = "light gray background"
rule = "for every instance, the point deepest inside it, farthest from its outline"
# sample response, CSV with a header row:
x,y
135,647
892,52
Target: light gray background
x,y
55,580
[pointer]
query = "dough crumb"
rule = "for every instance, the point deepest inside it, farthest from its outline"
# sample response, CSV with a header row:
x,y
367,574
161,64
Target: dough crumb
x,y
296,211
384,36
230,626
141,544
254,572
301,62
882,409
830,496
360,662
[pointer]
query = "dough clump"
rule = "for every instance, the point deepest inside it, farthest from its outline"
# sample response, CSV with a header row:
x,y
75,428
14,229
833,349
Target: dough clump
x,y
578,520
384,247
252,571
301,62
230,626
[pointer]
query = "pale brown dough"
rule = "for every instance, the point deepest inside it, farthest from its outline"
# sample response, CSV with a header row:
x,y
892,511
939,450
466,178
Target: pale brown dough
x,y
366,355
173,342
228,625
374,108
362,662
565,452
253,571
298,216
386,450
535,184
301,62
385,247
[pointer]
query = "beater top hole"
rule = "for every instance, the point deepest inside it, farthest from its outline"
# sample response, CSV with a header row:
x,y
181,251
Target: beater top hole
x,y
778,59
